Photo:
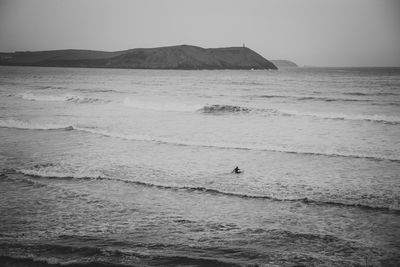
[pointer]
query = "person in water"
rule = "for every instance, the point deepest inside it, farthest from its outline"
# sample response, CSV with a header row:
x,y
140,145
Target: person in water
x,y
236,170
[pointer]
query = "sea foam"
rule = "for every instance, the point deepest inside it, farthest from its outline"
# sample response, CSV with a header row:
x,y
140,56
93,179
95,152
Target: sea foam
x,y
17,124
226,109
340,116
58,98
58,170
223,145
216,109
21,124
63,172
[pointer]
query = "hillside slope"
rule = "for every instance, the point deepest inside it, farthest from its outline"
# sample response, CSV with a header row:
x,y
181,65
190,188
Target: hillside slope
x,y
172,57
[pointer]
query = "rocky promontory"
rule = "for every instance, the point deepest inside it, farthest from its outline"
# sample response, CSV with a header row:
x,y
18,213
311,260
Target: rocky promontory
x,y
282,63
171,57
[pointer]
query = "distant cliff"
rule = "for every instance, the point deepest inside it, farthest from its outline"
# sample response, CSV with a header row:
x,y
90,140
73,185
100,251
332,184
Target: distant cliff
x,y
171,57
284,63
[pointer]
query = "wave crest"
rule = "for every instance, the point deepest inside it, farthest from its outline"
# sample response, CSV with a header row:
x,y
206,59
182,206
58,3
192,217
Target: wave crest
x,y
333,99
17,124
376,118
354,117
178,142
216,109
59,98
55,255
46,173
62,171
27,125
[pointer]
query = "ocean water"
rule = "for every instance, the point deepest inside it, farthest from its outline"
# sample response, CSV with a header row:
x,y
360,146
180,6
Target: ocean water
x,y
109,167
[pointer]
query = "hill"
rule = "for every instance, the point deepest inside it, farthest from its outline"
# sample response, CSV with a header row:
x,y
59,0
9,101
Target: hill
x,y
171,57
284,63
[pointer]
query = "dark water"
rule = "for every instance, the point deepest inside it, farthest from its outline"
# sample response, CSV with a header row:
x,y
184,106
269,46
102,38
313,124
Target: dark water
x,y
133,167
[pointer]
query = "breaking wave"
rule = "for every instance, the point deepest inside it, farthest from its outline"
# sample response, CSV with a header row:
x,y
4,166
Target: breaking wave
x,y
51,170
223,109
10,123
335,99
57,172
85,254
354,117
178,142
59,98
216,109
26,125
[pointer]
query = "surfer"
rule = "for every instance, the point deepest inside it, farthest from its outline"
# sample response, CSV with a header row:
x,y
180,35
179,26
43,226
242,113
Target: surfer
x,y
236,170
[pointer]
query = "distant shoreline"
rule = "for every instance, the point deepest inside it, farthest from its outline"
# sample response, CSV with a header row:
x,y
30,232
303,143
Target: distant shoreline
x,y
280,69
183,57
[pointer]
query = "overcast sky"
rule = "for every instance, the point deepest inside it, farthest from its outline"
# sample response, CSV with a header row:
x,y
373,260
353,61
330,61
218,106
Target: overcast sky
x,y
308,32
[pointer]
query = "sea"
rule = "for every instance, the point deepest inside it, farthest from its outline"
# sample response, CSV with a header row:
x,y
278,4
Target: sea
x,y
123,167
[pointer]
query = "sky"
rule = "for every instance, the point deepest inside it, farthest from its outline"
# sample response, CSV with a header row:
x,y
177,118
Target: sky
x,y
308,32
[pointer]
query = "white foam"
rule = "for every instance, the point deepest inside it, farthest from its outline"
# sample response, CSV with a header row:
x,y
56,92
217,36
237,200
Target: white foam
x,y
59,171
223,145
11,123
57,98
19,124
339,116
119,135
